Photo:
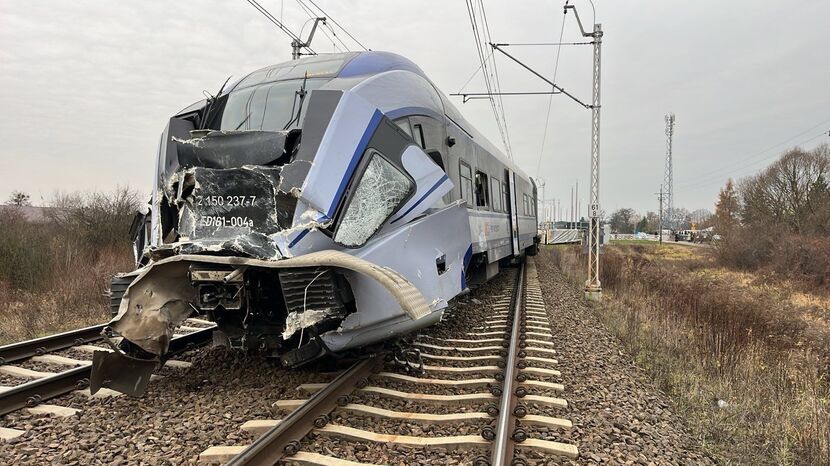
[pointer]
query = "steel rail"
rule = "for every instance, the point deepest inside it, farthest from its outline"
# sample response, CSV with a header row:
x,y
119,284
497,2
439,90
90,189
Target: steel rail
x,y
503,445
36,391
26,349
283,439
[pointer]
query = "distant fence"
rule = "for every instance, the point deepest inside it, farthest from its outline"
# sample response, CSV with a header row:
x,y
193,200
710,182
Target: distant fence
x,y
638,237
556,236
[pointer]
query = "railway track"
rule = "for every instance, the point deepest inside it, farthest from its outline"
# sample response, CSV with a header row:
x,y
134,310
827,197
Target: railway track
x,y
67,359
495,384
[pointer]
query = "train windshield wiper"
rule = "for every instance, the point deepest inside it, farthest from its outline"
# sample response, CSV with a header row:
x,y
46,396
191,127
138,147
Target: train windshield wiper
x,y
300,93
211,100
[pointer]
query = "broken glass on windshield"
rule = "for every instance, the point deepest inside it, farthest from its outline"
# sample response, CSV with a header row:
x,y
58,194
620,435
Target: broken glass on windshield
x,y
380,190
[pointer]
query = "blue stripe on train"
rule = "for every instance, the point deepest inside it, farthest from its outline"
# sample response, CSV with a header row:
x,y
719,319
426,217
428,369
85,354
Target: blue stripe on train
x,y
467,256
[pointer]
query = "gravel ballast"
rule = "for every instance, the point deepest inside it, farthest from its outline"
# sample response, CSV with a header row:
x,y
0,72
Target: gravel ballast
x,y
180,416
619,417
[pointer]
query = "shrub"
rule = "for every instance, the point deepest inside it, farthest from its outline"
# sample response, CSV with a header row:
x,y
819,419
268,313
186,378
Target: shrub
x,y
55,275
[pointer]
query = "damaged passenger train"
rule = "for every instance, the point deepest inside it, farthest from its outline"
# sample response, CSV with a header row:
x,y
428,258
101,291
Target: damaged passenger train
x,y
317,206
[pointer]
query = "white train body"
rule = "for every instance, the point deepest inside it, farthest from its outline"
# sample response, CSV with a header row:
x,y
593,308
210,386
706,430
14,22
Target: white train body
x,y
322,205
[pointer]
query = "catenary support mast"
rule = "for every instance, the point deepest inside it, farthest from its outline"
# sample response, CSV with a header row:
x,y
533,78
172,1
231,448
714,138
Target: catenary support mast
x,y
593,287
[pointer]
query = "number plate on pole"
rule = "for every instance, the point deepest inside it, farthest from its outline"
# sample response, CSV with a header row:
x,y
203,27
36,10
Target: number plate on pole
x,y
594,210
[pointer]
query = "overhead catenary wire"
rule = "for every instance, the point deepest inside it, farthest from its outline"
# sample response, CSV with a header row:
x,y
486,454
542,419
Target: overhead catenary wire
x,y
474,74
550,99
480,36
338,25
277,23
312,16
495,72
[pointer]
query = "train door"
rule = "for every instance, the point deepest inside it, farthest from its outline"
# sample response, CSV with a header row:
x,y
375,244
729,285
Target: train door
x,y
512,210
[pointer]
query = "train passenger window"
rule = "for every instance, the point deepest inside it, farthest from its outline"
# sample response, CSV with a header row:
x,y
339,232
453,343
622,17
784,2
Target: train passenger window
x,y
495,194
466,183
524,201
482,190
403,123
418,134
505,198
380,191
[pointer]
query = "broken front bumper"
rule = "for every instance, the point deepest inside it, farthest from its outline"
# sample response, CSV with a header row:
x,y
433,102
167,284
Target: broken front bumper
x,y
159,299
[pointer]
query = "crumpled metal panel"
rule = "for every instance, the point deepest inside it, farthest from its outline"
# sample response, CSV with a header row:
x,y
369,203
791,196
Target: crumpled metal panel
x,y
156,302
232,149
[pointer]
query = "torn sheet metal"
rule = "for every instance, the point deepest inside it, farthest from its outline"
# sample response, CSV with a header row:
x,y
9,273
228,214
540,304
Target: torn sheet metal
x,y
158,300
233,149
296,321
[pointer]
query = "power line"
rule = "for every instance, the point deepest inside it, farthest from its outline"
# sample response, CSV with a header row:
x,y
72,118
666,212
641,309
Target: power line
x,y
276,22
553,84
474,73
535,44
486,72
311,17
336,36
706,175
338,25
495,71
719,178
550,99
488,75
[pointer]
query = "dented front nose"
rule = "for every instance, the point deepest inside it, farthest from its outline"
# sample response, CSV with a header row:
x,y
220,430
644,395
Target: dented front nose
x,y
273,305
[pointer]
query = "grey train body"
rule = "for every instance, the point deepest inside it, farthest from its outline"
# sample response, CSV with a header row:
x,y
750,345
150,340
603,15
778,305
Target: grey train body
x,y
321,205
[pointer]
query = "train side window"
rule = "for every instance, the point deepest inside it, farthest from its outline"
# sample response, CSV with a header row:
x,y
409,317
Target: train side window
x,y
482,190
466,183
418,134
403,123
495,194
524,201
505,197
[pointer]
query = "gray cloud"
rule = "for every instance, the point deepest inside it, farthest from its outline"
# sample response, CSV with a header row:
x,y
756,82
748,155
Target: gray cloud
x,y
86,86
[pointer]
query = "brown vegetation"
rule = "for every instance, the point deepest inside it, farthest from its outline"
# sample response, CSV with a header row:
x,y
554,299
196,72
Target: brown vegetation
x,y
779,220
54,274
746,363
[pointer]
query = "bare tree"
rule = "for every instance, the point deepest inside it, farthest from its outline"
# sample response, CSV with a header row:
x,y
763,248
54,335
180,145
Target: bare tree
x,y
792,192
19,199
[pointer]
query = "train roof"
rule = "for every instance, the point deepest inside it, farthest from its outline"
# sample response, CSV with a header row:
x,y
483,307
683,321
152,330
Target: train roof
x,y
346,70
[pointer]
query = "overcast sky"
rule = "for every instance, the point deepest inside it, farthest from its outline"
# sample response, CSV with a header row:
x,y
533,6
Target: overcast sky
x,y
87,86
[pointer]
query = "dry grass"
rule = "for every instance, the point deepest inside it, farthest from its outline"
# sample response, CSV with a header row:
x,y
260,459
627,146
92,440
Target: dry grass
x,y
55,275
705,337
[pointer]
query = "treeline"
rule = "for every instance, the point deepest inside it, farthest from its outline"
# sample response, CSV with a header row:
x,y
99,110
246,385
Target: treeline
x,y
779,219
626,220
56,261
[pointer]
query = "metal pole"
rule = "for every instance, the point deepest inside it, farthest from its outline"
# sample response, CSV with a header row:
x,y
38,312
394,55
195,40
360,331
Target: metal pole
x,y
593,287
571,208
668,177
660,218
